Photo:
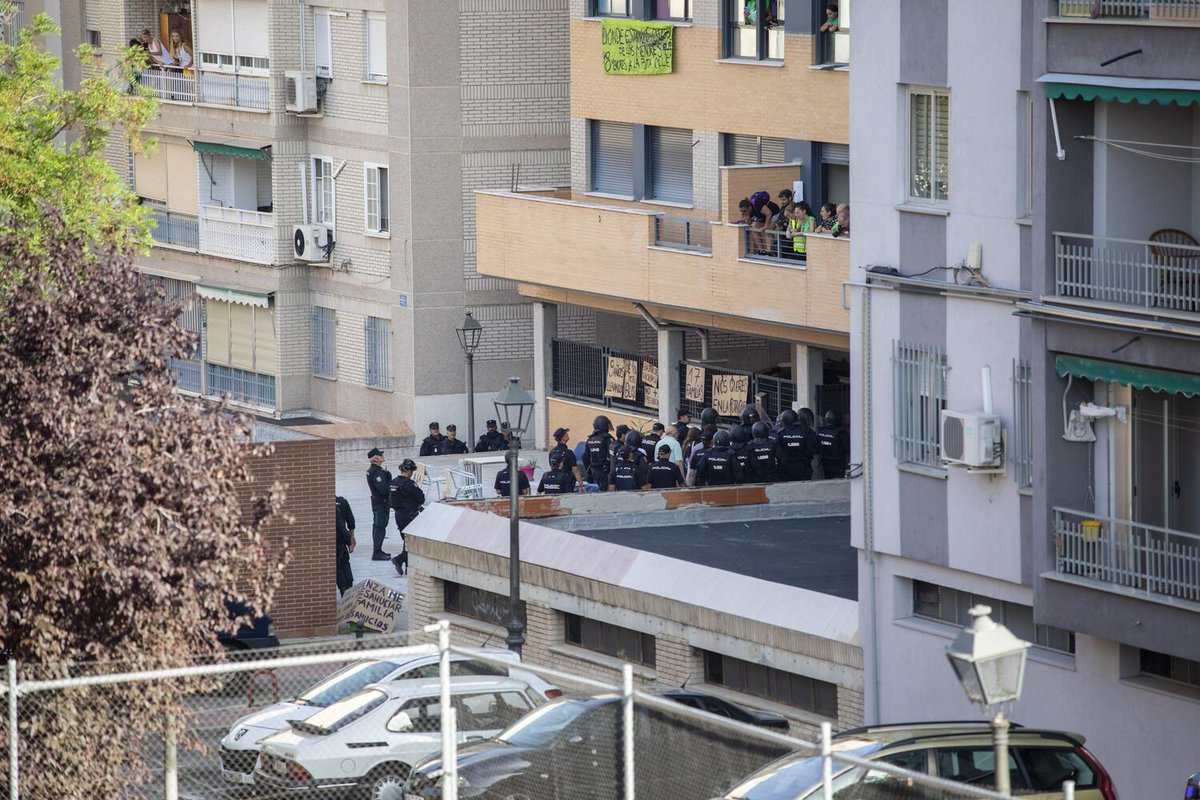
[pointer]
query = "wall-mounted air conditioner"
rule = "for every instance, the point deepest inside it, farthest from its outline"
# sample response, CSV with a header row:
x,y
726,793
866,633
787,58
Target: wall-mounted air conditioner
x,y
972,439
300,88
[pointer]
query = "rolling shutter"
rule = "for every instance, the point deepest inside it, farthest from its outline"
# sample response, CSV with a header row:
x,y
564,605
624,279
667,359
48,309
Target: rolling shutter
x,y
742,150
671,164
215,25
264,341
612,157
216,349
241,336
324,41
182,187
376,46
250,21
835,153
772,150
150,174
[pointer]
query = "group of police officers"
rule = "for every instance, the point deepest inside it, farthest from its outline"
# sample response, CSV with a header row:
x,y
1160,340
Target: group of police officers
x,y
448,444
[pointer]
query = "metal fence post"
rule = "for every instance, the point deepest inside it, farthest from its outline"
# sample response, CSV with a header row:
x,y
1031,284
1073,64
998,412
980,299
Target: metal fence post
x,y
449,756
627,708
827,765
170,761
13,735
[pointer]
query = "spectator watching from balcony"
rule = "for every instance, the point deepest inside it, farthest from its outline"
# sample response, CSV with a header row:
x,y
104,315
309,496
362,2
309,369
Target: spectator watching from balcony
x,y
832,23
800,224
786,201
160,54
763,213
770,15
744,212
181,52
841,224
828,218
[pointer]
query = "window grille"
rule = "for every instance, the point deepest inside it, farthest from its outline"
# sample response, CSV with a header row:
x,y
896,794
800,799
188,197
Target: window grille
x,y
919,383
379,352
324,361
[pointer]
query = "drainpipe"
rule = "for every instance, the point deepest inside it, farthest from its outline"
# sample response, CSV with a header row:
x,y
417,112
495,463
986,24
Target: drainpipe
x,y
869,504
660,327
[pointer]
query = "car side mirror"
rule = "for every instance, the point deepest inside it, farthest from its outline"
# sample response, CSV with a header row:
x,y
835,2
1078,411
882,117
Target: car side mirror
x,y
400,723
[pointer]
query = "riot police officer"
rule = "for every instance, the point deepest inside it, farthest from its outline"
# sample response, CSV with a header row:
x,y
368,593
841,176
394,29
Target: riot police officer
x,y
492,440
503,484
634,439
562,439
431,443
764,454
559,479
718,464
708,416
629,473
664,473
740,442
650,440
749,415
407,499
835,445
797,446
597,452
379,482
451,445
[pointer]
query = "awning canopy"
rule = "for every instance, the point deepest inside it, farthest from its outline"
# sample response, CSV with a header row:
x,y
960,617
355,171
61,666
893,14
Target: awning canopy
x,y
233,150
1156,380
1066,86
245,297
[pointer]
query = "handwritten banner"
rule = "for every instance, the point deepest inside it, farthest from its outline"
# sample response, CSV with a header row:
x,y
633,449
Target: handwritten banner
x,y
622,378
651,396
650,374
694,384
373,605
632,47
729,393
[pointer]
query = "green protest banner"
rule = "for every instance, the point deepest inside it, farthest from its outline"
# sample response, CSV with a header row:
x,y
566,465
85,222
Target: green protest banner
x,y
633,47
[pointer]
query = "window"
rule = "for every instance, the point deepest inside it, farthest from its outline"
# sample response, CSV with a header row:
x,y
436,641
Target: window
x,y
323,33
774,684
834,46
491,711
612,157
425,713
323,192
611,8
457,668
1049,767
1169,667
378,334
670,151
253,64
754,29
93,37
613,640
1024,155
944,604
919,382
376,29
234,34
928,146
673,9
740,150
1022,445
977,766
475,603
324,323
376,198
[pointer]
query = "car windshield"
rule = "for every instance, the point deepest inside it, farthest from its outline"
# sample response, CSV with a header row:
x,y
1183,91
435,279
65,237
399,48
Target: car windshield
x,y
343,712
789,777
539,727
346,682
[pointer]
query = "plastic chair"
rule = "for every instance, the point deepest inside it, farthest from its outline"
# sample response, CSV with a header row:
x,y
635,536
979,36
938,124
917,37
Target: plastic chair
x,y
464,485
1172,249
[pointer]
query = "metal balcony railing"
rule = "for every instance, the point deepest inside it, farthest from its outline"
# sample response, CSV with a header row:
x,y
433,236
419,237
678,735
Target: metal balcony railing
x,y
1127,554
1127,272
770,245
230,89
234,233
170,85
1167,10
683,233
176,230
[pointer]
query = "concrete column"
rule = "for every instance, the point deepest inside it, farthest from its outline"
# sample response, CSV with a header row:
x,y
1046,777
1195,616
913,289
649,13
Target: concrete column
x,y
808,368
545,329
670,353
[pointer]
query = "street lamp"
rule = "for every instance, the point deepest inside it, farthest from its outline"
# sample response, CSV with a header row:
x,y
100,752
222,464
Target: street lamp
x,y
468,338
990,664
514,410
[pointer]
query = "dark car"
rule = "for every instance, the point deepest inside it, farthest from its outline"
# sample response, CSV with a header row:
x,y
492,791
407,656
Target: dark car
x,y
723,708
571,748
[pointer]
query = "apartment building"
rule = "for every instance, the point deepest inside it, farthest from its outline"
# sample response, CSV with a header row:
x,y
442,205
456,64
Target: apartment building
x,y
647,294
1025,200
312,183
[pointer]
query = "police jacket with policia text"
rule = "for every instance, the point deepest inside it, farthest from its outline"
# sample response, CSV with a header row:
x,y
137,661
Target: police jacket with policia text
x,y
379,481
835,450
764,460
491,442
718,467
797,446
407,497
596,452
556,481
628,476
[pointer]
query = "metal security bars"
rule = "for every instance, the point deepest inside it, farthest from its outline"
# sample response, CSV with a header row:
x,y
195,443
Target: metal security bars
x,y
580,370
1128,272
683,233
378,335
919,383
186,371
1021,447
241,386
777,393
772,245
11,23
324,361
1167,10
175,230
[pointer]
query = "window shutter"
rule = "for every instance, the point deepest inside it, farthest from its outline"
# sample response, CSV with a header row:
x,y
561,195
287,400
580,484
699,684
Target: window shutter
x,y
612,157
265,356
376,46
182,187
372,199
323,42
740,150
772,150
215,26
251,33
671,164
941,145
150,174
241,336
919,169
835,154
216,348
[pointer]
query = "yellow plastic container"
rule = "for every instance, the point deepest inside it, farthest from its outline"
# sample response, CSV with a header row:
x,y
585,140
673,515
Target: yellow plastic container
x,y
1091,529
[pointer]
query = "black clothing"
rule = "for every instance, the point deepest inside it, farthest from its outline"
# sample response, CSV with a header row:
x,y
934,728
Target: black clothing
x,y
742,451
568,457
639,460
665,475
430,445
491,442
797,446
835,451
379,481
344,520
718,467
503,485
596,454
452,447
557,481
764,460
407,499
379,522
649,445
628,476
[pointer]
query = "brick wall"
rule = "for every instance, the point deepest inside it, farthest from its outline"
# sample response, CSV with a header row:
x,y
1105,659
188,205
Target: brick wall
x,y
306,602
509,332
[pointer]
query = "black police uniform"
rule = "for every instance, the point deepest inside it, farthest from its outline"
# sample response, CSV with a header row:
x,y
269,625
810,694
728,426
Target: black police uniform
x,y
764,459
430,445
665,475
491,442
557,481
618,458
407,499
718,467
742,451
344,519
649,445
503,485
597,450
797,446
628,476
379,481
568,457
452,447
835,450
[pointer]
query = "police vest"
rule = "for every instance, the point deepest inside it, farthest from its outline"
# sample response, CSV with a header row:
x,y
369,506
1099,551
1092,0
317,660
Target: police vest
x,y
597,451
795,444
555,482
762,457
663,475
718,465
625,476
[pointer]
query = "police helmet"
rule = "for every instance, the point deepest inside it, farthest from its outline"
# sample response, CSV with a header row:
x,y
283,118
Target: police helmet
x,y
408,465
601,423
749,415
833,418
633,439
708,416
808,417
621,431
788,417
760,430
738,434
721,439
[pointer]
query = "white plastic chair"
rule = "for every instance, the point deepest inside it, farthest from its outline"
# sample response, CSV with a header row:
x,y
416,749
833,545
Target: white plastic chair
x,y
464,485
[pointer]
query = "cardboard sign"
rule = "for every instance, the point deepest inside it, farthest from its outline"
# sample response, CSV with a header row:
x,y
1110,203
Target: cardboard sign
x,y
373,605
621,380
650,394
633,47
694,384
650,374
729,393
631,380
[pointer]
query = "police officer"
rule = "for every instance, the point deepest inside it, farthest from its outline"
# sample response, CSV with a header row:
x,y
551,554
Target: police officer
x,y
706,440
559,479
431,443
407,499
764,454
379,481
797,446
562,441
597,452
492,440
739,440
503,484
664,473
617,443
749,415
634,439
451,445
628,473
344,520
708,416
718,464
650,440
835,445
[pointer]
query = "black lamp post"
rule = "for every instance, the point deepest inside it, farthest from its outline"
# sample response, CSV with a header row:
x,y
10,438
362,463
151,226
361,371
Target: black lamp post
x,y
468,338
514,411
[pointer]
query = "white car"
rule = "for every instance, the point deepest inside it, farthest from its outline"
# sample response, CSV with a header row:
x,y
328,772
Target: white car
x,y
240,746
366,744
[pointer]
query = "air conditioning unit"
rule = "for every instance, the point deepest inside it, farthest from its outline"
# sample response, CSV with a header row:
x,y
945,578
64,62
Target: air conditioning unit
x,y
301,91
311,242
972,439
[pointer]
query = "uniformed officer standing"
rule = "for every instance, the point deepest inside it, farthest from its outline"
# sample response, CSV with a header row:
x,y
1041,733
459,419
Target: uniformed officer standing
x,y
706,440
718,464
492,440
562,441
797,446
835,445
629,473
764,454
407,499
452,445
597,452
650,440
559,479
739,440
503,484
344,520
431,443
664,473
379,481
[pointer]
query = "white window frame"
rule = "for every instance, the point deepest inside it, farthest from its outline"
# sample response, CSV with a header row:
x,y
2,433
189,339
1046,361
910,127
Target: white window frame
x,y
379,18
383,200
933,92
323,70
318,191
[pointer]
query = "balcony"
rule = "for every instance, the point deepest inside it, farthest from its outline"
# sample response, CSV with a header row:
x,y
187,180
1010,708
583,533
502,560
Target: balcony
x,y
1182,11
169,85
1127,274
172,229
234,89
237,233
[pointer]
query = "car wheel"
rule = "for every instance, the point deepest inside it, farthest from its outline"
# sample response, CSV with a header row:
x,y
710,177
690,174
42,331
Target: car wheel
x,y
386,783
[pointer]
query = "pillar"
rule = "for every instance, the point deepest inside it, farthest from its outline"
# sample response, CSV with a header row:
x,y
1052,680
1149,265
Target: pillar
x,y
545,330
808,371
670,353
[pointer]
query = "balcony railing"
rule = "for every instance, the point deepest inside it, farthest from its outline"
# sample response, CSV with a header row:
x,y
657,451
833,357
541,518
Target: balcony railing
x,y
1167,10
767,245
170,85
1127,554
234,233
229,89
176,230
1151,276
683,233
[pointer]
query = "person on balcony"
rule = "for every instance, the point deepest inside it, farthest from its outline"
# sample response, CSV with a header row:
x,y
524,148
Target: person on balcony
x,y
828,218
762,213
800,224
841,223
181,52
831,24
160,54
786,201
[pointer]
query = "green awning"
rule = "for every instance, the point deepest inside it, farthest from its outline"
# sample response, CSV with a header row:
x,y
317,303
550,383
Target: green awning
x,y
244,297
1064,86
216,148
1156,380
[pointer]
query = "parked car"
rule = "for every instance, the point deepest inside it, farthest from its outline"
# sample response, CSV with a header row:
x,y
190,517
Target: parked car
x,y
240,746
1038,763
571,748
724,708
366,743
